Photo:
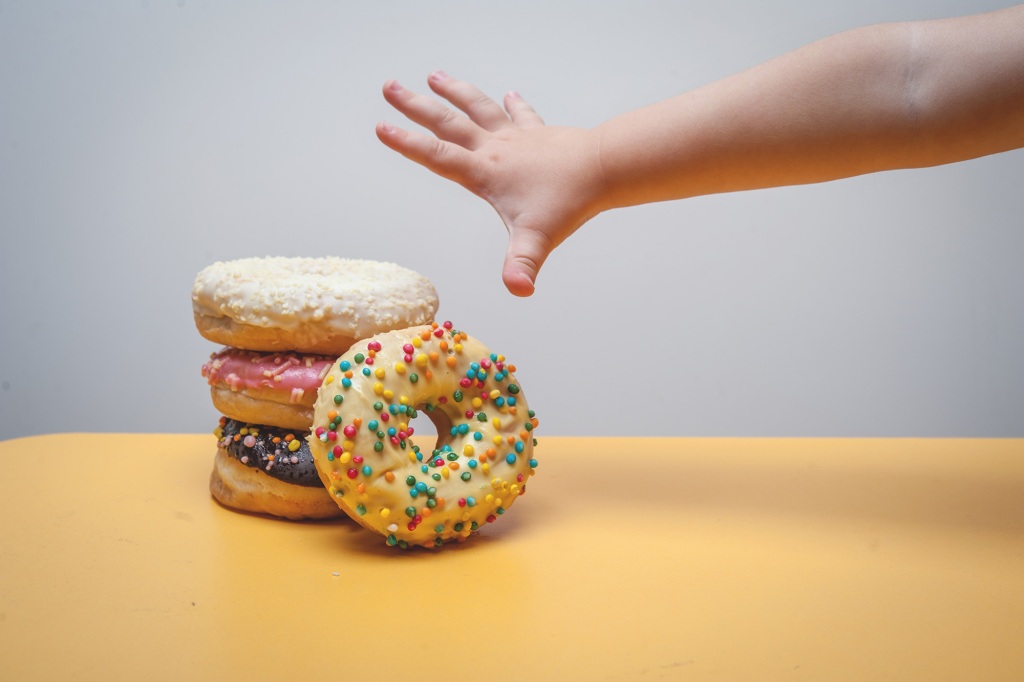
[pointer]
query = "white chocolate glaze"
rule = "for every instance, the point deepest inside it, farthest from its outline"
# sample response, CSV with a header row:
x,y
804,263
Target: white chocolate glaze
x,y
362,441
354,297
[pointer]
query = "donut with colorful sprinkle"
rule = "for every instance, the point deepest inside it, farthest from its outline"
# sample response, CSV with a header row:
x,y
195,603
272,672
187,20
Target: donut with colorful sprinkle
x,y
362,435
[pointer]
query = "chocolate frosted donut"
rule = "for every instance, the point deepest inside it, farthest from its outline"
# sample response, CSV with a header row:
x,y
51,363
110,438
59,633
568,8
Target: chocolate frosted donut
x,y
268,470
280,453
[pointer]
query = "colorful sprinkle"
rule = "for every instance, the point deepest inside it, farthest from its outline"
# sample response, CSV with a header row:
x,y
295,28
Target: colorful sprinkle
x,y
480,404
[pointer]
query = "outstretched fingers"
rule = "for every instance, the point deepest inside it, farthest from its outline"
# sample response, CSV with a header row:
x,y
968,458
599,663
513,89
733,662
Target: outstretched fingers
x,y
480,108
520,111
432,115
447,159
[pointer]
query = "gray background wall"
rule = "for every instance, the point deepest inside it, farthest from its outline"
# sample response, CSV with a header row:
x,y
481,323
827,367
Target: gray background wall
x,y
141,141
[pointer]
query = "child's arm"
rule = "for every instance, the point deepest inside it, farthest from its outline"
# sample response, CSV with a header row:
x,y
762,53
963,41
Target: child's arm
x,y
877,98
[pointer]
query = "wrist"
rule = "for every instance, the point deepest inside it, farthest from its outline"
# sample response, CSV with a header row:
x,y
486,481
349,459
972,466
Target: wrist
x,y
636,164
597,192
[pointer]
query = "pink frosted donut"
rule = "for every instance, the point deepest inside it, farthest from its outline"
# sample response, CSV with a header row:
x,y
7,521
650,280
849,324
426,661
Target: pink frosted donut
x,y
266,388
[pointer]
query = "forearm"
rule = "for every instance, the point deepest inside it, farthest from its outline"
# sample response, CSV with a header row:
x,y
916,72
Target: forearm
x,y
878,98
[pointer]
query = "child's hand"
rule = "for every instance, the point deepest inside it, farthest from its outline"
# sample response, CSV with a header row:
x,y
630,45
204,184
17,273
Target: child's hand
x,y
543,181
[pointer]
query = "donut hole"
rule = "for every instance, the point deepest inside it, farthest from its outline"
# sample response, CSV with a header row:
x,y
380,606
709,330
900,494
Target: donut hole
x,y
434,424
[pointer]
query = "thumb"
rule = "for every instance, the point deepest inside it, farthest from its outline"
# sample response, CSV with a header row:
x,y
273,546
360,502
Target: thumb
x,y
527,251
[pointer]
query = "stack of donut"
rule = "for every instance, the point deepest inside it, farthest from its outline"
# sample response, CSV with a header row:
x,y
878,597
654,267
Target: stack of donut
x,y
284,322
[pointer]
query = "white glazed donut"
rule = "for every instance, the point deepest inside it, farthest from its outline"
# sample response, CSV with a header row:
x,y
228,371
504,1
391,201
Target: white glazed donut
x,y
309,305
362,441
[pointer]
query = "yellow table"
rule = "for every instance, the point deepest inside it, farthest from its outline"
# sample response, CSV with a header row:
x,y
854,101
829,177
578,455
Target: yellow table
x,y
628,558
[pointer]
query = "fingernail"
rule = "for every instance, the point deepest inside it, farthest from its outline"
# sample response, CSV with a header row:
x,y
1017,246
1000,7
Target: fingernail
x,y
512,94
438,76
387,127
395,86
